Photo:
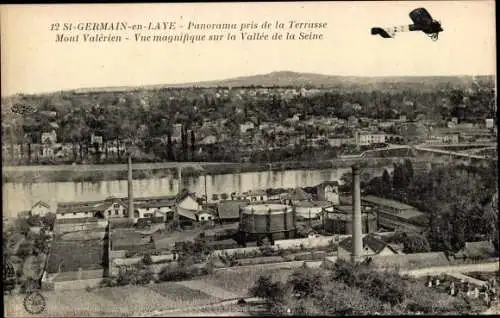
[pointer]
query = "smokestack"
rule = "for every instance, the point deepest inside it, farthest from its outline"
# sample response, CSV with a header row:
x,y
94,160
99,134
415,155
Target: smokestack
x,y
130,194
357,239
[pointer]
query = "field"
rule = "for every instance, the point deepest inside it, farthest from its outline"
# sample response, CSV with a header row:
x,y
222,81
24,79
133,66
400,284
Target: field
x,y
72,255
117,301
67,276
239,281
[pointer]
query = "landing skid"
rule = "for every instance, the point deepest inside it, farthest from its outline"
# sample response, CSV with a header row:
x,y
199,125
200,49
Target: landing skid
x,y
434,36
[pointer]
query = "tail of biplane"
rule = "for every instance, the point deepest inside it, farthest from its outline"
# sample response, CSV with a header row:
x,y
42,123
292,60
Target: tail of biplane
x,y
390,32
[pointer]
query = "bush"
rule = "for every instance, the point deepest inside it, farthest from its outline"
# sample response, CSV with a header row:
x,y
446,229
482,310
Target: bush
x,y
266,288
126,277
304,281
267,250
109,282
145,276
147,260
415,243
24,250
29,285
175,273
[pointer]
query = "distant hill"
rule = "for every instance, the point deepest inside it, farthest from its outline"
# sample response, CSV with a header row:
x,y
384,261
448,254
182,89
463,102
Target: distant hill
x,y
296,79
288,78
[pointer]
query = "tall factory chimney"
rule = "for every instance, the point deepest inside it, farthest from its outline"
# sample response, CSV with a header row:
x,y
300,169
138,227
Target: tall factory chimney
x,y
357,239
130,194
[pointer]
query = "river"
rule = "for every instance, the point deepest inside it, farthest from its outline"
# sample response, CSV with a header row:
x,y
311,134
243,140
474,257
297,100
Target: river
x,y
19,197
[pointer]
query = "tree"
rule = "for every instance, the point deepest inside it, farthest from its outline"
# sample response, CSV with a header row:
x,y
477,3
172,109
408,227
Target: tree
x,y
49,220
147,260
170,153
408,167
193,145
267,289
415,243
305,281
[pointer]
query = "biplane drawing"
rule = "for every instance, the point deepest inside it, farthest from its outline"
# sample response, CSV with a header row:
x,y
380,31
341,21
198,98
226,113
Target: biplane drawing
x,y
422,21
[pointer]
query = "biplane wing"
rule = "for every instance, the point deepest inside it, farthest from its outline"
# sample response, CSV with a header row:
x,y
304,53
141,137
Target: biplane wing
x,y
421,17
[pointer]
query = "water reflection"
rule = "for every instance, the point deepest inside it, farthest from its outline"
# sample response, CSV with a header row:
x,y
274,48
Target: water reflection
x,y
20,197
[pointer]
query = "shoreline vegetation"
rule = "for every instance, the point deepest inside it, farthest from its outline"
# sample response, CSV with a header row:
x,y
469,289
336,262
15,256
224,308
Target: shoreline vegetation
x,y
95,173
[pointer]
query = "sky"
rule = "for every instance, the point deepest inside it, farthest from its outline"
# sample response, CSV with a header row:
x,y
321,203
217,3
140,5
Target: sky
x,y
32,62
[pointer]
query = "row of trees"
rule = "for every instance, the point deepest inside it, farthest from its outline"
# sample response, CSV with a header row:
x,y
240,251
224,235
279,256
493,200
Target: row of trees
x,y
459,200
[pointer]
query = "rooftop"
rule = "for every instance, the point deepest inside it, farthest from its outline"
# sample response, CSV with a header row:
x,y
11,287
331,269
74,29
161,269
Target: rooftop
x,y
345,209
411,261
230,209
312,204
297,194
264,208
330,183
370,241
76,220
477,249
387,203
101,205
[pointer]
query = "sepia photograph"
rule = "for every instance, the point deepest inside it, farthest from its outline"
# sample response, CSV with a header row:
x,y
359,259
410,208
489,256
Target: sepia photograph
x,y
319,158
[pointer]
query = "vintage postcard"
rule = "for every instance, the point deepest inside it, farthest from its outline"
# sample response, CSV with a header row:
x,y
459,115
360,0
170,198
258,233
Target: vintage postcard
x,y
246,159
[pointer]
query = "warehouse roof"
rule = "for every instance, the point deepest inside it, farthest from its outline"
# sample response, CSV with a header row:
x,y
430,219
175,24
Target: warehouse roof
x,y
328,183
313,204
386,202
297,194
370,241
230,209
77,220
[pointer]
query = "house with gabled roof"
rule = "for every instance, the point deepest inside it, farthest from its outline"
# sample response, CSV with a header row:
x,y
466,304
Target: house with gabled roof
x,y
328,191
40,208
190,210
371,246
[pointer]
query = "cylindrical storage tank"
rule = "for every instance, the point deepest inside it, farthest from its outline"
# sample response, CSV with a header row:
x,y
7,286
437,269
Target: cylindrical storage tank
x,y
306,210
338,220
271,220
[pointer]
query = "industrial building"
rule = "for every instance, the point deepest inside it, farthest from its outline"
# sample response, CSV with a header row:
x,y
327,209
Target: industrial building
x,y
310,210
272,221
229,210
338,219
328,191
396,215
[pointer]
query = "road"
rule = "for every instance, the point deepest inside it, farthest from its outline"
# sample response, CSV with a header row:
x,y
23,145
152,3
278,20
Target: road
x,y
282,265
483,267
223,308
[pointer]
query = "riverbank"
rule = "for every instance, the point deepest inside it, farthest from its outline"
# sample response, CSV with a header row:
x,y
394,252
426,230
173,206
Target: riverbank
x,y
94,173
